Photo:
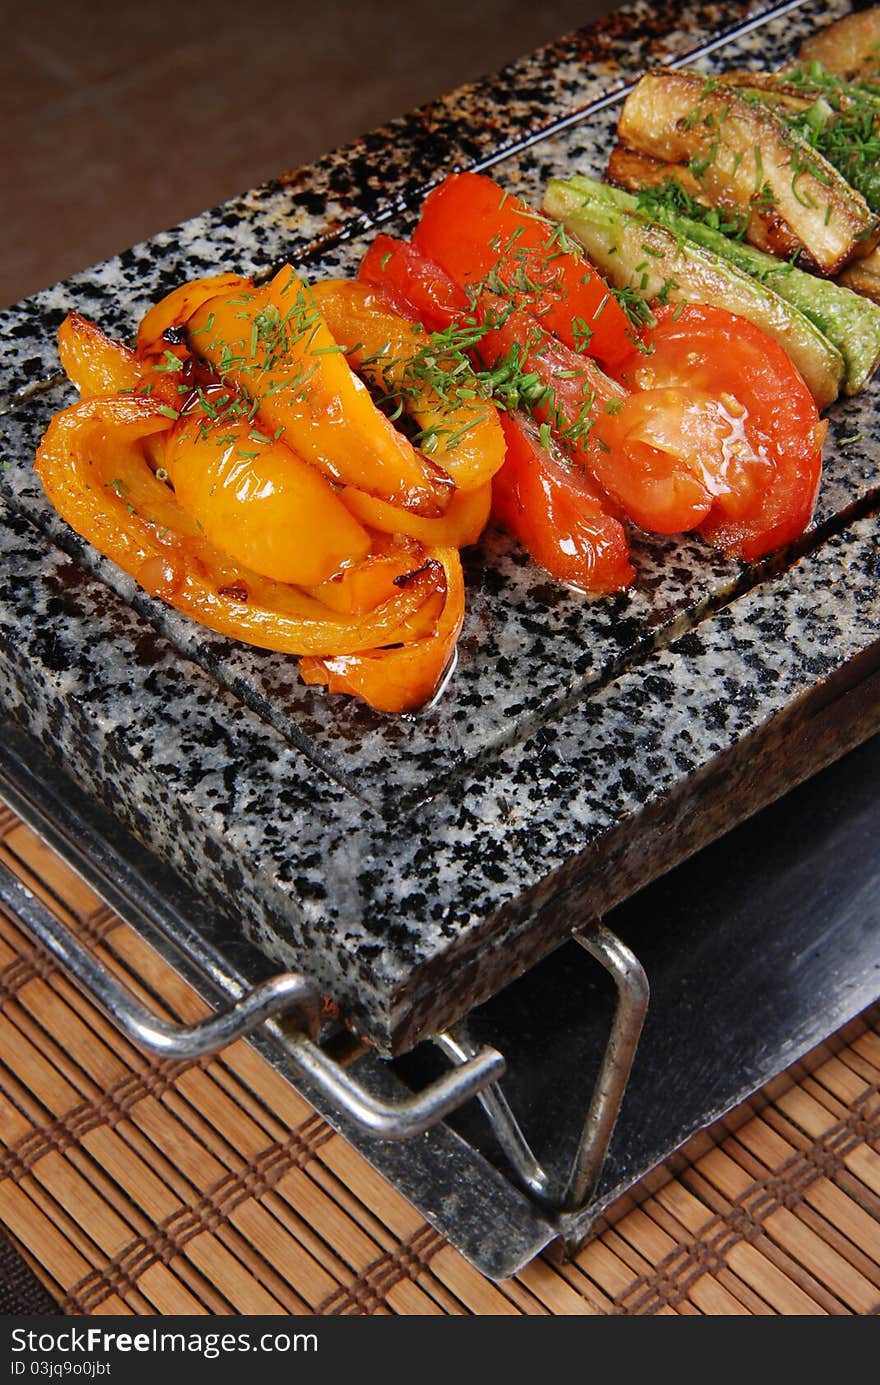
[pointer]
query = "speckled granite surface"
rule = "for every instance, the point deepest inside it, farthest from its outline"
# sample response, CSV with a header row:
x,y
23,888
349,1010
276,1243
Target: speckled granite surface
x,y
414,865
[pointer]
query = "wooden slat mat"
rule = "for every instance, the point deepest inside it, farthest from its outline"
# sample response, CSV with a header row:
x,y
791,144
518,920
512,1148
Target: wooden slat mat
x,y
139,1186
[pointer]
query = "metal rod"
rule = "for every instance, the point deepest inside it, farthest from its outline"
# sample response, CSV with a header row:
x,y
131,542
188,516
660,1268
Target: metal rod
x,y
412,1115
289,993
572,1193
633,994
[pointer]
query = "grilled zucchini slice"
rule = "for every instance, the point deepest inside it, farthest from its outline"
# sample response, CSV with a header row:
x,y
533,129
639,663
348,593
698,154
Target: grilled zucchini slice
x,y
637,254
850,323
840,120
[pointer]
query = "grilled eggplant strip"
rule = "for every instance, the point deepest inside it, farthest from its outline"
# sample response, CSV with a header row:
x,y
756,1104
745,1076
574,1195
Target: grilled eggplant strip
x,y
839,120
636,254
850,322
849,47
629,169
863,277
743,156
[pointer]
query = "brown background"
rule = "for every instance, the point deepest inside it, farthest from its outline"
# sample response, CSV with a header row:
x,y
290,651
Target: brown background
x,y
121,119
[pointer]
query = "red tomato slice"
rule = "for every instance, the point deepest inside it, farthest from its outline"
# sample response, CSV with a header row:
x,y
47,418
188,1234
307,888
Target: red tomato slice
x,y
411,284
551,507
720,434
663,446
472,228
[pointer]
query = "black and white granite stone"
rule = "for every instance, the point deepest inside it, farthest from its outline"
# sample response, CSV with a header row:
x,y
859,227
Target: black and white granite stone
x,y
413,865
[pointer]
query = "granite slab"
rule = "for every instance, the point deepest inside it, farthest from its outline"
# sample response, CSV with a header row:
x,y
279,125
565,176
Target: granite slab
x,y
414,865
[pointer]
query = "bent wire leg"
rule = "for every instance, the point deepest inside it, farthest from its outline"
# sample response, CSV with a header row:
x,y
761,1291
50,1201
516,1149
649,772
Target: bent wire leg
x,y
289,993
572,1193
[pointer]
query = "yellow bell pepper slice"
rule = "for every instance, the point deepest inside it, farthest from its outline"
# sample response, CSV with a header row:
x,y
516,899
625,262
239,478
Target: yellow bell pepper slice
x,y
439,393
273,345
94,470
403,679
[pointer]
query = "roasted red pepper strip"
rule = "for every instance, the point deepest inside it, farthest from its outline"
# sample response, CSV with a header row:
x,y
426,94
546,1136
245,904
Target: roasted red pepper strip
x,y
543,495
486,239
554,511
566,391
411,284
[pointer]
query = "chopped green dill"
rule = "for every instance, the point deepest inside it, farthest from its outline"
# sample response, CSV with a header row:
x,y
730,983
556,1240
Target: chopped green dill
x,y
842,123
169,362
666,288
208,327
582,334
671,199
635,306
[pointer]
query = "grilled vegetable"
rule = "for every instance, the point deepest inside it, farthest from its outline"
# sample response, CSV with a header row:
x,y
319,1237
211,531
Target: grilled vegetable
x,y
557,512
166,470
717,407
640,255
248,494
747,161
485,239
94,469
398,679
863,276
833,116
850,47
271,346
413,285
460,428
629,169
851,324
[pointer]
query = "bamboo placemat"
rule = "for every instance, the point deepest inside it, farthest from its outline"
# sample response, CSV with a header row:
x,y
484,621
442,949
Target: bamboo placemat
x,y
139,1186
